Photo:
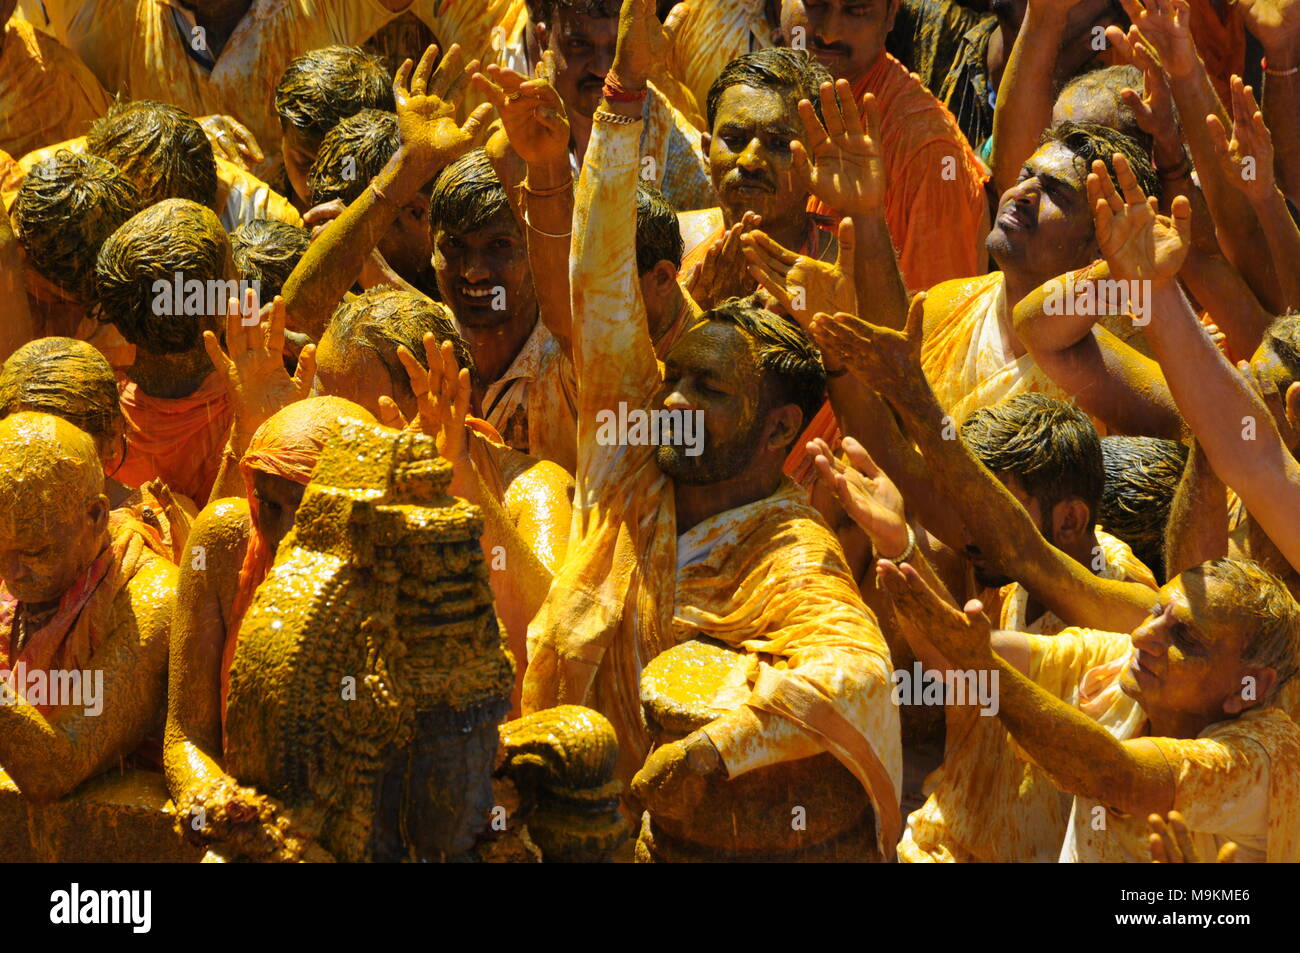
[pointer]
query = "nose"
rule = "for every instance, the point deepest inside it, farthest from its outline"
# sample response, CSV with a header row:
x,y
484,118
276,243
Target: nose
x,y
751,159
1152,637
829,26
676,400
474,270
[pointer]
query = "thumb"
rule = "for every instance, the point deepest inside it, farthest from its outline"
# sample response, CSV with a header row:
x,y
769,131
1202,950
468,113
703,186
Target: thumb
x,y
305,372
860,458
390,415
476,119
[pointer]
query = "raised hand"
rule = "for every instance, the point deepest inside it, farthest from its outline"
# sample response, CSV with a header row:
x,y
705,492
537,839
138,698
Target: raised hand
x,y
426,114
442,394
723,273
232,140
800,284
531,111
841,163
1275,23
962,637
866,493
1165,25
1171,842
1153,109
253,364
883,359
1137,243
639,35
1247,159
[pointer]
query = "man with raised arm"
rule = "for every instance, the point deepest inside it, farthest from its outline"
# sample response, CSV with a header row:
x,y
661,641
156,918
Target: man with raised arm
x,y
677,542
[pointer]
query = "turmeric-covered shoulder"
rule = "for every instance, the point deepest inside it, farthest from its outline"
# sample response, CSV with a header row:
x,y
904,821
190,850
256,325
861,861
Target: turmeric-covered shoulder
x,y
218,539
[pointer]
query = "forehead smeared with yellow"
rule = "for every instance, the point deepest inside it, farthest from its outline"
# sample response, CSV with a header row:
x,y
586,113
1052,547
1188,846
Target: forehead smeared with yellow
x,y
48,468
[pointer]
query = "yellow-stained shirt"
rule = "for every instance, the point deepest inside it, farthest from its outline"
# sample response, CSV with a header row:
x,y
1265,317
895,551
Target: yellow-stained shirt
x,y
1239,780
47,94
153,49
714,33
768,577
988,802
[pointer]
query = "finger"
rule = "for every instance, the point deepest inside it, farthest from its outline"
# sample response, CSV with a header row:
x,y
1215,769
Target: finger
x,y
871,106
476,119
1117,41
860,458
803,171
847,237
1107,185
847,107
400,88
390,415
1180,211
815,133
1219,139
1128,183
495,94
420,79
772,286
236,338
915,317
1182,836
449,69
215,354
1228,853
1161,844
415,374
768,245
305,373
831,117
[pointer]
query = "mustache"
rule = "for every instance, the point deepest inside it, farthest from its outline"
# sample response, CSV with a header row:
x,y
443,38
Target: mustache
x,y
591,79
739,177
822,46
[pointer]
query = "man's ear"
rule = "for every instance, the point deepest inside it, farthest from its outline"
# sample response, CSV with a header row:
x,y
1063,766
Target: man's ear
x,y
785,423
1071,520
891,15
663,274
1256,684
97,511
706,140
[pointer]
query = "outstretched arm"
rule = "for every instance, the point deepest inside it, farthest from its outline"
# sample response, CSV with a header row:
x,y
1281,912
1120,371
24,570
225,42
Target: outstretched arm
x,y
537,127
1082,757
430,139
994,519
1276,24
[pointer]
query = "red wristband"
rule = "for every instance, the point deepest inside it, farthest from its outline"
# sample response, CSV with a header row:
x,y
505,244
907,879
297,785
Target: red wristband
x,y
615,92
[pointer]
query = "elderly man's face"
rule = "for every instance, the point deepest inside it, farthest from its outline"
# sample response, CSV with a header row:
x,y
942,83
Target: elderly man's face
x,y
1043,223
750,159
45,547
1187,655
846,36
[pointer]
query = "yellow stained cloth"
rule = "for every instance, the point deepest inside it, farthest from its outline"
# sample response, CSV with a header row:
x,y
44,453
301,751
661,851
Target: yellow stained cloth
x,y
143,47
768,577
46,93
1239,780
241,196
988,802
968,354
713,33
533,405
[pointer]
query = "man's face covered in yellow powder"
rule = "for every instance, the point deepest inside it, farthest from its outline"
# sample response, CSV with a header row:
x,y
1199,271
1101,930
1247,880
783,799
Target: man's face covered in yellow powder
x,y
53,515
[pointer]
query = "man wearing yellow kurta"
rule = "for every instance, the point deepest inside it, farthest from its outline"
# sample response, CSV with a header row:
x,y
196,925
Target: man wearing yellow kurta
x,y
648,567
988,802
1179,715
46,93
157,49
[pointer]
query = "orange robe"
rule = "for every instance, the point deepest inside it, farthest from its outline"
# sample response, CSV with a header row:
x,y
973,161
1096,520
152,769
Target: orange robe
x,y
46,93
935,206
180,441
768,578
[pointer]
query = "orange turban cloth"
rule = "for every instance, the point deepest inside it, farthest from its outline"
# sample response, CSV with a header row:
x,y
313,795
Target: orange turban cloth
x,y
287,445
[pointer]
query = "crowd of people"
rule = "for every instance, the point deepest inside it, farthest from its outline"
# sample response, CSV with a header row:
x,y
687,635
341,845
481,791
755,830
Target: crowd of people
x,y
968,332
